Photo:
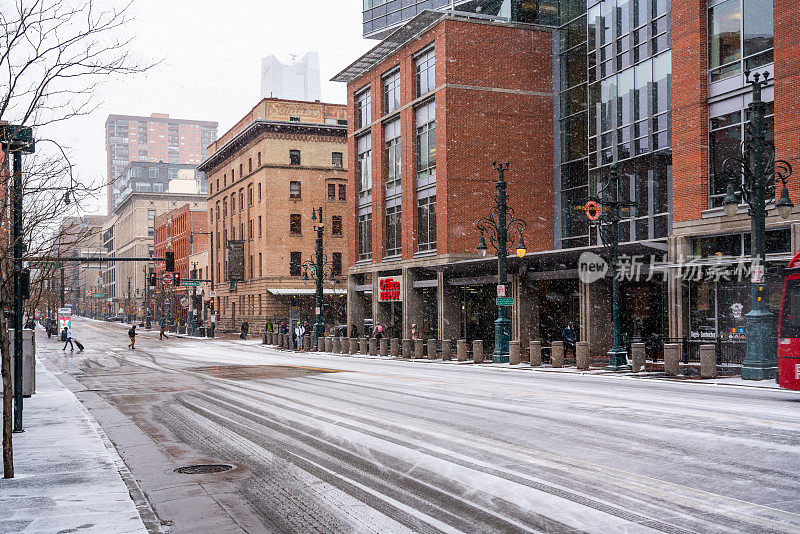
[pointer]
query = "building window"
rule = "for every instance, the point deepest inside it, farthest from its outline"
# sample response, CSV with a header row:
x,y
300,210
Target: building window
x,y
151,214
150,231
241,171
295,224
342,192
224,207
260,273
294,157
426,144
331,191
250,229
294,189
739,30
294,118
392,154
393,231
336,159
336,225
426,223
425,70
336,268
363,113
249,195
259,226
241,199
364,166
391,92
251,266
258,159
249,164
295,260
365,236
259,192
233,203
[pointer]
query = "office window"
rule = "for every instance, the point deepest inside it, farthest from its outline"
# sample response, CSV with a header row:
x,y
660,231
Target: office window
x,y
259,226
364,166
295,224
241,171
391,92
294,189
295,260
249,195
336,268
336,159
365,236
342,192
392,154
363,112
249,164
739,30
426,223
331,191
150,231
425,70
393,232
233,203
225,207
151,214
251,266
258,159
241,199
336,225
294,157
233,175
426,144
259,192
250,229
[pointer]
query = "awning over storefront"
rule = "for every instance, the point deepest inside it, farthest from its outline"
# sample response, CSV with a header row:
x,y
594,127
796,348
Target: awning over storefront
x,y
304,291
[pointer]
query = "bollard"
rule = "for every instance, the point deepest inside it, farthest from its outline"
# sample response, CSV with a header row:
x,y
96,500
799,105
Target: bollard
x,y
557,353
373,346
637,356
408,348
582,355
329,344
446,356
535,349
433,351
461,350
672,358
708,361
419,349
513,352
337,345
363,345
477,351
353,345
394,347
307,342
344,345
384,347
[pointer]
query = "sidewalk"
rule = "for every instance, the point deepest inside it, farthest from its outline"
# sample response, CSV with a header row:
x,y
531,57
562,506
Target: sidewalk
x,y
67,474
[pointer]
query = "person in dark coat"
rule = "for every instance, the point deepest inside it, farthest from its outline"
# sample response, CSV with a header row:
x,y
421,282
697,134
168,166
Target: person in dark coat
x,y
568,336
132,336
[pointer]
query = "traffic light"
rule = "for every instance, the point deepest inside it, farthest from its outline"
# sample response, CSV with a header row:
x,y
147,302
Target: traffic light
x,y
152,279
211,306
176,279
169,258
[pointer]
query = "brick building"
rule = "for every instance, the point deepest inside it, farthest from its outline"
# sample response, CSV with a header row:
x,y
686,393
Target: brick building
x,y
157,138
265,175
430,109
181,230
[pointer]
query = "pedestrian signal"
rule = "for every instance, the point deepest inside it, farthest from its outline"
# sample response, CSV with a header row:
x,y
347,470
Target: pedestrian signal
x,y
152,279
169,258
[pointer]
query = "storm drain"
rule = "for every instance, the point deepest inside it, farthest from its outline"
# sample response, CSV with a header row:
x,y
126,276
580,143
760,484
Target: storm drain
x,y
201,469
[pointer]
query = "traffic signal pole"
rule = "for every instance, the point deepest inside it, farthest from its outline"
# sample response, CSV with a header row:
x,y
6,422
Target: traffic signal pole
x,y
16,209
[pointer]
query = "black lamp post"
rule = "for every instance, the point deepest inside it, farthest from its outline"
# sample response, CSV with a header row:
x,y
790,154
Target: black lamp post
x,y
317,267
611,207
498,225
210,329
753,178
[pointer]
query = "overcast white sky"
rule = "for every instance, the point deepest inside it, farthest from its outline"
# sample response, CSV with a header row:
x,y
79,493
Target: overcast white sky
x,y
210,54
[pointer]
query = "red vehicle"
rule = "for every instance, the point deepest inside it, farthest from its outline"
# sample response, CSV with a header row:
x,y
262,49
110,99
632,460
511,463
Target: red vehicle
x,y
789,328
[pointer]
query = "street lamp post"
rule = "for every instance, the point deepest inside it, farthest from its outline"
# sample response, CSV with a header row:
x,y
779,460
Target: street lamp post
x,y
608,221
754,179
209,330
498,226
317,268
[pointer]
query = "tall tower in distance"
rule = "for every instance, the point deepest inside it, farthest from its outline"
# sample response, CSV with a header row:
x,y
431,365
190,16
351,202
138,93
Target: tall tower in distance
x,y
297,80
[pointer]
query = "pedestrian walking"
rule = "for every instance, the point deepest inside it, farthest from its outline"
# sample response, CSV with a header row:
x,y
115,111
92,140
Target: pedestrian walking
x,y
162,334
243,330
379,332
299,332
68,333
415,332
569,337
353,331
132,335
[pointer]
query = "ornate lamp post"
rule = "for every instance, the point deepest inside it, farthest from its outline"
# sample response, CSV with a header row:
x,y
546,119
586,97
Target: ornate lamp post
x,y
753,177
498,225
609,216
317,267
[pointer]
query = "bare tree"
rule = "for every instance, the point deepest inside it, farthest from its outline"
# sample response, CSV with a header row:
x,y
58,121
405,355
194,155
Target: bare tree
x,y
53,55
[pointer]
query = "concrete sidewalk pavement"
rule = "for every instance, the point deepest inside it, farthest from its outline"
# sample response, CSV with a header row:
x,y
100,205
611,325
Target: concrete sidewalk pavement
x,y
67,474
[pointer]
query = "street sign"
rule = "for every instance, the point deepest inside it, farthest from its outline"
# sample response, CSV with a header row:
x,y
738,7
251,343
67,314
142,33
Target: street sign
x,y
88,293
190,283
212,294
166,278
592,210
98,295
757,274
505,301
501,290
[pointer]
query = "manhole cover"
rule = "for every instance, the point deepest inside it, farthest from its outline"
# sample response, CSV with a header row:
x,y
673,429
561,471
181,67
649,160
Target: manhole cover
x,y
203,468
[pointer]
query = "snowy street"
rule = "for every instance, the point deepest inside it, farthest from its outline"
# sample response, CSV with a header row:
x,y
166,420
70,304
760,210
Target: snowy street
x,y
334,443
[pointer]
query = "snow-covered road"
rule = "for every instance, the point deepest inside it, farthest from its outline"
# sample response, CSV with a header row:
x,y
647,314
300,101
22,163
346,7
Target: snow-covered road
x,y
332,443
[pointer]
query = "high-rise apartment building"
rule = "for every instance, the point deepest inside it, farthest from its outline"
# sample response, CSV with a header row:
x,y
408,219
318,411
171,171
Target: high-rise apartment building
x,y
297,80
382,17
157,138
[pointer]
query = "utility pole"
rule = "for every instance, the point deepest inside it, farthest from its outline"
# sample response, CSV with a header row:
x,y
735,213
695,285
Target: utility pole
x,y
62,286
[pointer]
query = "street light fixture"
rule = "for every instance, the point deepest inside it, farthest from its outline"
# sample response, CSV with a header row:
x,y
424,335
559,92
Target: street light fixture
x,y
498,225
753,178
318,267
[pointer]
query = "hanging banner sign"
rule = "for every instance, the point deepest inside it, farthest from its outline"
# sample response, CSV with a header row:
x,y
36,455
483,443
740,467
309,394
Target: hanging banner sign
x,y
236,261
390,289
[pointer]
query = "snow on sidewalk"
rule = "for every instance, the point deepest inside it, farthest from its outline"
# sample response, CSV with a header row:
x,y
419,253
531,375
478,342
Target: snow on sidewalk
x,y
66,479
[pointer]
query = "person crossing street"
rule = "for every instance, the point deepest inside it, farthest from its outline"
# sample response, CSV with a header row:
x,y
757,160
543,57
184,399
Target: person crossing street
x,y
162,334
132,335
68,332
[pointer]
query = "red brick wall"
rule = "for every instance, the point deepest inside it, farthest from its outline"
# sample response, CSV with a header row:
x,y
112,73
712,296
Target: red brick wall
x,y
689,110
787,88
503,120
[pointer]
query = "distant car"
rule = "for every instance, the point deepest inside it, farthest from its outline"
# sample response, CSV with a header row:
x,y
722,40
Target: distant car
x,y
115,319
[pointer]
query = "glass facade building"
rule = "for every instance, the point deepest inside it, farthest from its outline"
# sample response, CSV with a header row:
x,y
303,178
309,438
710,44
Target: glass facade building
x,y
614,70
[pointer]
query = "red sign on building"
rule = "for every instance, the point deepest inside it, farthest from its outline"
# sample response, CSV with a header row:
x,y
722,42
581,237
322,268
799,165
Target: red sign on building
x,y
390,289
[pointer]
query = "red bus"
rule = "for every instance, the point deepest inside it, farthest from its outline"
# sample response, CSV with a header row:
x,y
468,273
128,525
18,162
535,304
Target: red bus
x,y
789,328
